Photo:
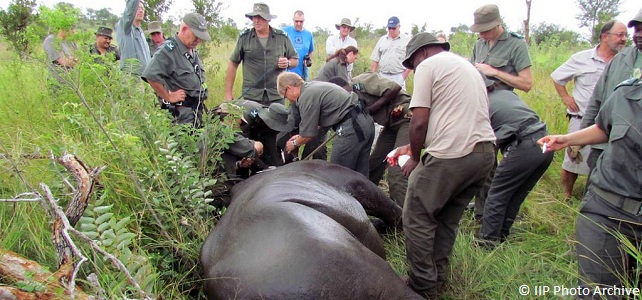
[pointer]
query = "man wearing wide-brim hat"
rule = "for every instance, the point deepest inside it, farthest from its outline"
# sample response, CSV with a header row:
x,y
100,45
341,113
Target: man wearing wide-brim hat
x,y
265,53
103,44
185,91
450,118
155,31
509,62
343,39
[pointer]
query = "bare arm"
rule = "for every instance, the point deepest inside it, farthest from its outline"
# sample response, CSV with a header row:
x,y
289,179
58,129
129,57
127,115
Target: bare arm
x,y
587,136
385,99
418,129
230,76
568,100
523,81
67,61
374,66
169,96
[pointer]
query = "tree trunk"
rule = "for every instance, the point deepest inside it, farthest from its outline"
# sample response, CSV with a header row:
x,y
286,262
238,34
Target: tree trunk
x,y
527,27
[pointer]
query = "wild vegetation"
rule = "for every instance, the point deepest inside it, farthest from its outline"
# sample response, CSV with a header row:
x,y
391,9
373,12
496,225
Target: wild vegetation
x,y
152,207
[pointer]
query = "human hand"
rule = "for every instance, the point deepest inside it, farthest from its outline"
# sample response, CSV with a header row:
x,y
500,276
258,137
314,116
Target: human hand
x,y
289,146
552,143
571,104
246,162
282,62
487,69
258,147
176,96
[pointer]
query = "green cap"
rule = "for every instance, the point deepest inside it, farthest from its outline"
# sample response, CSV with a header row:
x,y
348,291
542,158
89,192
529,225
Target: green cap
x,y
418,41
197,24
486,17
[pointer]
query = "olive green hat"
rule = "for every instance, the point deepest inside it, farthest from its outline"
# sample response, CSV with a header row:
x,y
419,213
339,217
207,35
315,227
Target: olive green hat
x,y
276,117
637,19
104,31
346,22
154,26
262,10
418,41
197,24
486,17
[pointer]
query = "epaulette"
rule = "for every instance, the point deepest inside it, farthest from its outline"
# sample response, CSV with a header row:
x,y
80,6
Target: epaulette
x,y
628,82
170,45
245,31
517,35
279,31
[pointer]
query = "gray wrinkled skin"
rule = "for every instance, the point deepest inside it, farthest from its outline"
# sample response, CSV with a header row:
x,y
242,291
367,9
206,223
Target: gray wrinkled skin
x,y
297,233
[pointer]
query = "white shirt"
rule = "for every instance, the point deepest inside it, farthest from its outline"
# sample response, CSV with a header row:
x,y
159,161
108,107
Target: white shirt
x,y
389,53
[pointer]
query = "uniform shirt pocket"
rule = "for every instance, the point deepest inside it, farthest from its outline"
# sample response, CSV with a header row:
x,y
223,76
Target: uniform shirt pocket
x,y
497,62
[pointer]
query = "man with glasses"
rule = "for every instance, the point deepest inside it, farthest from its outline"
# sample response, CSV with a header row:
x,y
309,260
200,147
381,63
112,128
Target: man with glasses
x,y
625,65
303,44
389,52
584,68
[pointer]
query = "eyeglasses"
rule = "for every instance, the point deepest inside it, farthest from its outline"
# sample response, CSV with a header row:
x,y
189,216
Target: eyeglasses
x,y
619,35
298,21
392,28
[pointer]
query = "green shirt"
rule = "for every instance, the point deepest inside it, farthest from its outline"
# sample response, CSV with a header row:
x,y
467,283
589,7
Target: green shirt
x,y
333,68
321,104
619,168
371,86
175,68
511,118
509,54
260,64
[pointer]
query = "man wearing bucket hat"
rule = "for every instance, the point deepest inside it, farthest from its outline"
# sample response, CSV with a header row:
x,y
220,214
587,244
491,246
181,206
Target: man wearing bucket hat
x,y
450,119
626,64
509,62
134,50
265,52
342,40
176,72
103,44
155,31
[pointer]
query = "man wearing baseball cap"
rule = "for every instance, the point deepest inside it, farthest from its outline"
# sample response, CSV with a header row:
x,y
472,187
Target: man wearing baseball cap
x,y
176,71
450,119
388,53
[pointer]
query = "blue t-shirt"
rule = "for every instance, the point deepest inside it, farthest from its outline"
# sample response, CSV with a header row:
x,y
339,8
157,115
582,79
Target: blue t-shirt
x,y
303,43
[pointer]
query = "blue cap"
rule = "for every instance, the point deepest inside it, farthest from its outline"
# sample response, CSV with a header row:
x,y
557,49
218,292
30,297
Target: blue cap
x,y
393,22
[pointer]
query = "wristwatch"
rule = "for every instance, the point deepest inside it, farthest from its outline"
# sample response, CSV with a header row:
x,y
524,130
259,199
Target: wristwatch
x,y
288,63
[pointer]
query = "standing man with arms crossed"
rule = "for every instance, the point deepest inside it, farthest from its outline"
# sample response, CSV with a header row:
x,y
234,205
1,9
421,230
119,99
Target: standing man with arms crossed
x,y
134,51
626,64
389,52
450,119
503,57
584,68
265,52
303,43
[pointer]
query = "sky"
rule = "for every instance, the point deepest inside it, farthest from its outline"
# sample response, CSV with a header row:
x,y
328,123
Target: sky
x,y
437,15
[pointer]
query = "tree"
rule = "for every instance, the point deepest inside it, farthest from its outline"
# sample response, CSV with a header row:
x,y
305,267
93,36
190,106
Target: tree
x,y
104,17
154,9
14,22
594,13
527,22
553,33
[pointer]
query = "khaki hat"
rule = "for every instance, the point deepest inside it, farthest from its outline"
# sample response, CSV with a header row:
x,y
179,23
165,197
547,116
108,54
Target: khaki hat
x,y
197,24
346,22
262,10
637,19
154,26
104,31
418,41
486,17
276,117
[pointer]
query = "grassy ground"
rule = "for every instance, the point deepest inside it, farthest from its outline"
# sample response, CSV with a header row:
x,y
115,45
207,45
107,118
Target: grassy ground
x,y
539,252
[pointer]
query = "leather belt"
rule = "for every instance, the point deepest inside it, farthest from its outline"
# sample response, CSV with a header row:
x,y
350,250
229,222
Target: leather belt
x,y
630,205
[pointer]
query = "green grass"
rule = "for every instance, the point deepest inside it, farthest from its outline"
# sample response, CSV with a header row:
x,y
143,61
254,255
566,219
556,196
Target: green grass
x,y
539,252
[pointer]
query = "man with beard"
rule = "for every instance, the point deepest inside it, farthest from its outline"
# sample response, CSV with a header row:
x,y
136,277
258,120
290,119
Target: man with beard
x,y
103,45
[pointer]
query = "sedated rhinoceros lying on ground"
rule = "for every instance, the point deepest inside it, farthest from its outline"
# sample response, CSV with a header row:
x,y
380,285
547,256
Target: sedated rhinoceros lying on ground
x,y
297,233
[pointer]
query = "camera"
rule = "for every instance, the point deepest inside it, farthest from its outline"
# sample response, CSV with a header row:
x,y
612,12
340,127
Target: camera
x,y
307,60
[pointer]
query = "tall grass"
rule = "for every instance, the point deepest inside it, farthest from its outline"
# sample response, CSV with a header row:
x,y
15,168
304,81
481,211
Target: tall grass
x,y
538,252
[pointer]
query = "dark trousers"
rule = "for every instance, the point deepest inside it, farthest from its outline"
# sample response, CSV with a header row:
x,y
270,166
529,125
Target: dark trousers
x,y
522,165
438,192
271,155
348,149
591,161
601,254
390,138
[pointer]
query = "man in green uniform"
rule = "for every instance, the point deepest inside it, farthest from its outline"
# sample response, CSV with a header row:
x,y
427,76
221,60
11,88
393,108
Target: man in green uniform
x,y
387,103
103,45
626,64
176,71
265,52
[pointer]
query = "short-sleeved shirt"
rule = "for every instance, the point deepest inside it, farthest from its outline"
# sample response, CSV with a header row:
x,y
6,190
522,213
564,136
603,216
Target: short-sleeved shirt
x,y
371,86
134,50
509,54
332,68
619,69
389,53
260,63
56,48
303,44
584,68
321,104
453,90
110,50
619,168
176,68
510,117
334,43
